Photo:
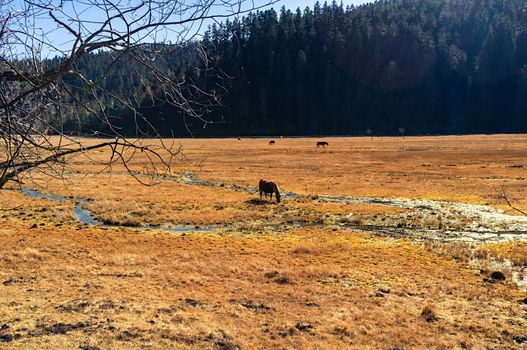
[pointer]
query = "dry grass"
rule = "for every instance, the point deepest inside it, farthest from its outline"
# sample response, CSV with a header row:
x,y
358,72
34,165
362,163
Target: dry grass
x,y
64,285
513,252
516,253
303,289
451,168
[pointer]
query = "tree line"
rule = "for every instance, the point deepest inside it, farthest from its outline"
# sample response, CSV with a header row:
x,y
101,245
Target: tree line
x,y
423,66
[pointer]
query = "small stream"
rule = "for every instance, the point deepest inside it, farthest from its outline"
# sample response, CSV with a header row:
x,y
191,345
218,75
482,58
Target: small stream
x,y
473,223
85,216
461,221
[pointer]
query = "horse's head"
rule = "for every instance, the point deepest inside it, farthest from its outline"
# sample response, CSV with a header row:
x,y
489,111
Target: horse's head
x,y
277,195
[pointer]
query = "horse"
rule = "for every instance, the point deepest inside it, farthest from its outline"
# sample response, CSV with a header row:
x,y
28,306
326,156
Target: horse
x,y
270,187
272,142
322,143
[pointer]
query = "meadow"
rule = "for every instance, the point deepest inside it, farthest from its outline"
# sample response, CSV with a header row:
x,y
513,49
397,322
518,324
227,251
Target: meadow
x,y
378,243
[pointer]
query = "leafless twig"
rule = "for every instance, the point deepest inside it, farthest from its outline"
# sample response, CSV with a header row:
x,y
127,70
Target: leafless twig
x,y
504,194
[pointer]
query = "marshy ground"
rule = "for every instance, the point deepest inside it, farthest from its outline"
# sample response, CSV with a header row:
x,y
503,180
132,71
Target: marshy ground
x,y
381,244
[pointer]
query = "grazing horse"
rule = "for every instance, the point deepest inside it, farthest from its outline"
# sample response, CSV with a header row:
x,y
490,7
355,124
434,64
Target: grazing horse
x,y
322,143
270,187
272,142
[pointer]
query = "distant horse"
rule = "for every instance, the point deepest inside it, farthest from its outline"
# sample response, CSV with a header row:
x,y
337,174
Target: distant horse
x,y
270,187
272,142
239,138
322,144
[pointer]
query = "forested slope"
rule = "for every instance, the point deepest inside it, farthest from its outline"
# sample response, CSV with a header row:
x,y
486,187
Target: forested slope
x,y
429,66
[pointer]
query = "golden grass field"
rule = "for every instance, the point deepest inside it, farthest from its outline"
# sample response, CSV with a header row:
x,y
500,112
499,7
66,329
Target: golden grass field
x,y
272,276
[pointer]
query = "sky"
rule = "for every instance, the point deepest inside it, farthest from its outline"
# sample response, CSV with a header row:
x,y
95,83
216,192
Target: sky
x,y
56,40
293,4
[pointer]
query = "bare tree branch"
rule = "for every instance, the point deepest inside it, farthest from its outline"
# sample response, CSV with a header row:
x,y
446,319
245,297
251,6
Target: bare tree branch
x,y
38,94
521,211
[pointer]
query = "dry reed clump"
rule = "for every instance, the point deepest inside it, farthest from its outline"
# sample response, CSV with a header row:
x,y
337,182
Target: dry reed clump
x,y
60,213
429,315
460,251
305,249
119,212
497,261
40,214
26,255
513,253
125,259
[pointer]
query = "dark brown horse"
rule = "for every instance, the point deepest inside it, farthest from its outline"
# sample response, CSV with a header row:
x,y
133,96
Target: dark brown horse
x,y
272,142
322,143
270,187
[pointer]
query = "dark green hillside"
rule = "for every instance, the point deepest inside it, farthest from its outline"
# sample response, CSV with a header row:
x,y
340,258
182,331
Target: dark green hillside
x,y
430,66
